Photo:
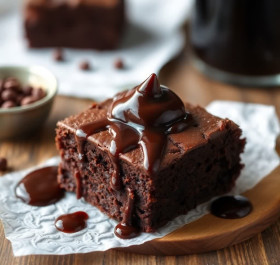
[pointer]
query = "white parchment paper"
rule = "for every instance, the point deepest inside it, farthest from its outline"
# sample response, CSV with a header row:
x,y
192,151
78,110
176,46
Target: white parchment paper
x,y
151,39
31,229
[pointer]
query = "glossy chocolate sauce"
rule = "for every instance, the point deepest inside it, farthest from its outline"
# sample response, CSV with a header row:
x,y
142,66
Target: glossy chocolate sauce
x,y
231,207
40,187
143,116
125,229
238,36
71,223
77,176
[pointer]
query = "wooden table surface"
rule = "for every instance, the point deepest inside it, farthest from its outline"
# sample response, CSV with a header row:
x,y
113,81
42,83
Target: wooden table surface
x,y
262,249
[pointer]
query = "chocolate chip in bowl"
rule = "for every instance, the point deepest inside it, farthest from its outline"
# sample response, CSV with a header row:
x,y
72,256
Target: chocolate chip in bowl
x,y
26,97
13,93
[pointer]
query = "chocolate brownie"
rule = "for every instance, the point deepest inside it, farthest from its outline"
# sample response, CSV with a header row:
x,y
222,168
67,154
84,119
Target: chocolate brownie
x,y
144,157
85,24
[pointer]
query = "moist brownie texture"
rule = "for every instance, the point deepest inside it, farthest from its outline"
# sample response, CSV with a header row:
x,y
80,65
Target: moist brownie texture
x,y
86,24
199,163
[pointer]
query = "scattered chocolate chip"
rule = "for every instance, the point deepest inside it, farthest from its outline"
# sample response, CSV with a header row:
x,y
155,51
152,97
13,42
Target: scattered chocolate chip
x,y
85,65
8,104
58,55
119,64
3,164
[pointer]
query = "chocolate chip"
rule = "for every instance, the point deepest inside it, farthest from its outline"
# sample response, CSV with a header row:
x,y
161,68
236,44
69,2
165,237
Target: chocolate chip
x,y
8,104
119,64
3,164
12,84
19,99
85,65
9,95
27,100
38,93
58,55
27,90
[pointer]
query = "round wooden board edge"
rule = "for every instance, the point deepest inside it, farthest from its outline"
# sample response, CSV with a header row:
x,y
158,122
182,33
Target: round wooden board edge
x,y
211,233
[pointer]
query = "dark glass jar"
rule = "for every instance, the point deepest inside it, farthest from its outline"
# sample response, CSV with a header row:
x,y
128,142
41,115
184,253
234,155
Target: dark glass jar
x,y
237,41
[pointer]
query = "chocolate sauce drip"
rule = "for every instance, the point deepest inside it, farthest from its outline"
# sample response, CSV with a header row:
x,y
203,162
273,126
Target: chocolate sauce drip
x,y
142,116
128,211
78,184
231,207
40,187
71,223
125,229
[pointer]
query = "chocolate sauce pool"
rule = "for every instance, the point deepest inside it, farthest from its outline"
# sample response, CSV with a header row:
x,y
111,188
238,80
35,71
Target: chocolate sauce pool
x,y
231,207
124,231
40,187
143,117
71,223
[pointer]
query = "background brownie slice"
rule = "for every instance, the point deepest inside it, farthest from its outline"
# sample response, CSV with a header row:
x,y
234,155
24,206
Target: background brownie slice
x,y
199,163
87,24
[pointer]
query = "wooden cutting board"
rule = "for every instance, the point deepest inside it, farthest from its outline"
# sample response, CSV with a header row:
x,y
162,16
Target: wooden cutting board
x,y
212,233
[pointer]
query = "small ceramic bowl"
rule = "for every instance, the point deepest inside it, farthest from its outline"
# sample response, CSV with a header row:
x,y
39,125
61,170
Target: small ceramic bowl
x,y
23,120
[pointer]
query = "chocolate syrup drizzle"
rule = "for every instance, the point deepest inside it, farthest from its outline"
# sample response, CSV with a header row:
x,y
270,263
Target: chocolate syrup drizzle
x,y
125,229
143,116
77,176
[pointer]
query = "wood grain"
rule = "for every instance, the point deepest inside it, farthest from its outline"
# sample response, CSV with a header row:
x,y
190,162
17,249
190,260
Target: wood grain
x,y
264,248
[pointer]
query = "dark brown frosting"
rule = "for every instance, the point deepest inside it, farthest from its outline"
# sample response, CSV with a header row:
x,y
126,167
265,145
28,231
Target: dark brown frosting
x,y
204,127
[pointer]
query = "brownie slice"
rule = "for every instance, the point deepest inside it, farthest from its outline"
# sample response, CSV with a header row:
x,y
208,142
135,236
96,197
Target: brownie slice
x,y
85,24
199,163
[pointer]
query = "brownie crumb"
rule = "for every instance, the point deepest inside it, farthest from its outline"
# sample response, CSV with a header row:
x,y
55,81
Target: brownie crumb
x,y
85,66
58,55
3,164
119,64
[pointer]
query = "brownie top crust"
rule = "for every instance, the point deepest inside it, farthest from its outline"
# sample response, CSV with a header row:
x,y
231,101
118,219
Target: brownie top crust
x,y
53,3
203,128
